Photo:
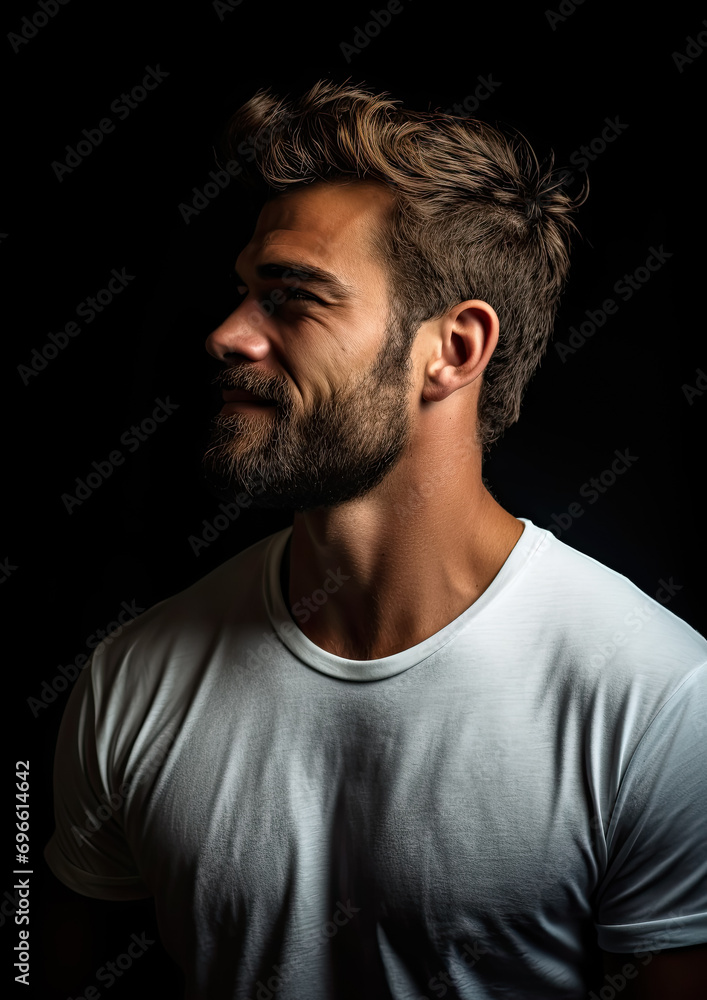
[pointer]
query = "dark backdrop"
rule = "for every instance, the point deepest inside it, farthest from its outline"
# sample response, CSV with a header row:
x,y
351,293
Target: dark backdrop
x,y
632,379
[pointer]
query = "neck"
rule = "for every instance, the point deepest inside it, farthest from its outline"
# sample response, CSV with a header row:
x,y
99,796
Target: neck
x,y
374,576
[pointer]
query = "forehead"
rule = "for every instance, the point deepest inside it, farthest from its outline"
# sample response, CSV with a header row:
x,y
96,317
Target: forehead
x,y
328,224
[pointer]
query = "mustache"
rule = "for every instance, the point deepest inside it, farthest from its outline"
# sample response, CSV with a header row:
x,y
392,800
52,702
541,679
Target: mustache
x,y
242,377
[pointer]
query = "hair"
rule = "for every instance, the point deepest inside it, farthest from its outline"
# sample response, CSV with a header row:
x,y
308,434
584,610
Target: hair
x,y
474,215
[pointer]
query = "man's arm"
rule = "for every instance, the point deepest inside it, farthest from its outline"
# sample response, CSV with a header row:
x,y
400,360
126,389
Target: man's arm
x,y
88,850
679,973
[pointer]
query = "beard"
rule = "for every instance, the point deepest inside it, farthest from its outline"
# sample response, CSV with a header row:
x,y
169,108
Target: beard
x,y
338,451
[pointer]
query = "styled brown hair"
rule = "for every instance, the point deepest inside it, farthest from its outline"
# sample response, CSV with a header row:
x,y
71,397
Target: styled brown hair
x,y
474,214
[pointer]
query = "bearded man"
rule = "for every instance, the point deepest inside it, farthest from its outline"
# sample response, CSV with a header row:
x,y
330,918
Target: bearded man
x,y
378,754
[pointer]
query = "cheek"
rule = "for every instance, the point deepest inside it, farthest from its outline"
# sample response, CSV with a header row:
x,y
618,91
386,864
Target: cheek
x,y
314,373
321,361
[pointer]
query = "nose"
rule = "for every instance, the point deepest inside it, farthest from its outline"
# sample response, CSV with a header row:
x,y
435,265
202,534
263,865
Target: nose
x,y
240,335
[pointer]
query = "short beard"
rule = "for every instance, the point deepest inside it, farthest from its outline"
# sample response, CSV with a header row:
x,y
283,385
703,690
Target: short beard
x,y
338,452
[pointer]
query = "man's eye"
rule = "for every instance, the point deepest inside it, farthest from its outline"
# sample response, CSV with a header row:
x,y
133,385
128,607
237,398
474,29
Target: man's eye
x,y
290,295
299,296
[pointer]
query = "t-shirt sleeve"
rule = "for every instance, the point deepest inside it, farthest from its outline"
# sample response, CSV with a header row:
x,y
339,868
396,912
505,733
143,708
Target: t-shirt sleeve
x,y
88,851
654,894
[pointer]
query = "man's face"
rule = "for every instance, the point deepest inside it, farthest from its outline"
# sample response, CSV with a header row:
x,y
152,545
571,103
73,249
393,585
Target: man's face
x,y
332,376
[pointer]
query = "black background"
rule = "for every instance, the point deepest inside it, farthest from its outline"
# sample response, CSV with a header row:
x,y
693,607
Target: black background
x,y
68,572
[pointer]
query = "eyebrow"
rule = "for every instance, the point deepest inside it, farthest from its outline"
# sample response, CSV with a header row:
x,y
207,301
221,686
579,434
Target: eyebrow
x,y
313,275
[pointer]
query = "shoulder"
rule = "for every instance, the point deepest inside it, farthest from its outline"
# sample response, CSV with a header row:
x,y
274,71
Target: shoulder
x,y
602,632
591,599
180,634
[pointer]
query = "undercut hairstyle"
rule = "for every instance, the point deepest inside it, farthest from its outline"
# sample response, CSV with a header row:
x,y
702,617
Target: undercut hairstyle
x,y
474,215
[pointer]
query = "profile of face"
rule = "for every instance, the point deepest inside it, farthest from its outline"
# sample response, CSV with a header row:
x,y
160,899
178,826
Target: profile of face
x,y
317,377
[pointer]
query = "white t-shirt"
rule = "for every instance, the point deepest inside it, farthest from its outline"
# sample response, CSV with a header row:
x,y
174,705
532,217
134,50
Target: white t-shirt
x,y
474,816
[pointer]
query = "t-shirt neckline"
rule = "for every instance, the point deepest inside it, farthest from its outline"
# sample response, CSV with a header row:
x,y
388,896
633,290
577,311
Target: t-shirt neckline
x,y
388,666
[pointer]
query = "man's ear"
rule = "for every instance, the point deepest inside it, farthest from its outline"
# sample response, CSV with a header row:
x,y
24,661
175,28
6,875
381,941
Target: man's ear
x,y
464,340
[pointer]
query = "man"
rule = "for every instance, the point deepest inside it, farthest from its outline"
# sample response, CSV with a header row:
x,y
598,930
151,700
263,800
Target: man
x,y
384,753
